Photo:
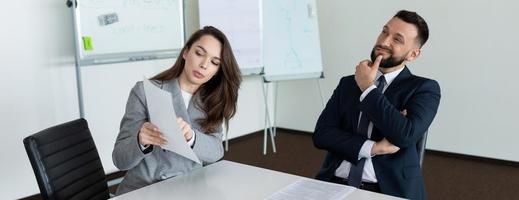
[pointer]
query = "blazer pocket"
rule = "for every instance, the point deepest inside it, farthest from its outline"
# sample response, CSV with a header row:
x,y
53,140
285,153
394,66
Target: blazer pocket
x,y
412,172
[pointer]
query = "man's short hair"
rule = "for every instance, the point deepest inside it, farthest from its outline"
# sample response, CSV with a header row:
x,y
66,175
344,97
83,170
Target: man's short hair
x,y
418,21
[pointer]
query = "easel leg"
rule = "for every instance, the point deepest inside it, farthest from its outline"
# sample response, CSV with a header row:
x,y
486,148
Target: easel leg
x,y
268,126
226,139
320,92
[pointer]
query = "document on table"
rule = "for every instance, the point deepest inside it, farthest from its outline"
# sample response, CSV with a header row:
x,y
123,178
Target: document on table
x,y
308,189
162,114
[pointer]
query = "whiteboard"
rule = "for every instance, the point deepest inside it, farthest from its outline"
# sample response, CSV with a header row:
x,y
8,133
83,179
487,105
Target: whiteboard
x,y
291,47
240,21
108,31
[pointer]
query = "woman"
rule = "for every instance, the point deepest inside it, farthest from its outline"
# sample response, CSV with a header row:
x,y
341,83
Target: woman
x,y
204,83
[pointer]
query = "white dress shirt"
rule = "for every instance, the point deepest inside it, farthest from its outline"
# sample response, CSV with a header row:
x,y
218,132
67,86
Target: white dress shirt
x,y
187,97
368,174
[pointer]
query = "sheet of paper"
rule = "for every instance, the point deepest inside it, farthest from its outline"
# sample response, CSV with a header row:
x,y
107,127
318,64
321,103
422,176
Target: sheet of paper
x,y
308,189
162,114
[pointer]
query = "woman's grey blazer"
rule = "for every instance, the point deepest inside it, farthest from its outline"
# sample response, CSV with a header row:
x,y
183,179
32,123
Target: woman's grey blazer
x,y
158,164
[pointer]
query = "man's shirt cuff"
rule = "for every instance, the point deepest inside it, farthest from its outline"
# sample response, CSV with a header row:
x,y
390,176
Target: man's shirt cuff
x,y
366,92
365,150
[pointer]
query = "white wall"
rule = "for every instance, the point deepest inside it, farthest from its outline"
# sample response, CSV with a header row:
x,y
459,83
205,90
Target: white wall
x,y
38,84
471,53
39,88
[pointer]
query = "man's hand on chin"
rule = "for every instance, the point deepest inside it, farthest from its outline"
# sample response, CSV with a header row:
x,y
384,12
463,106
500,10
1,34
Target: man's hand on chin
x,y
365,73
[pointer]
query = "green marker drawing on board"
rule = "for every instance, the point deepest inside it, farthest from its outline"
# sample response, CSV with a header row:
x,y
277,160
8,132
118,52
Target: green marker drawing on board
x,y
87,43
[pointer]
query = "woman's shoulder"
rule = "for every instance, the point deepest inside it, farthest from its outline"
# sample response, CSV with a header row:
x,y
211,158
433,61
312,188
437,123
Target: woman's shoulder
x,y
139,85
138,88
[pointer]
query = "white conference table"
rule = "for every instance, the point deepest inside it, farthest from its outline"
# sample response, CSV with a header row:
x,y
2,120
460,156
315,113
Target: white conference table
x,y
226,180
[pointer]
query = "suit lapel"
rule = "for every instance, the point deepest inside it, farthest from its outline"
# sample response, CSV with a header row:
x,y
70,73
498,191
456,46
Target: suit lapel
x,y
404,74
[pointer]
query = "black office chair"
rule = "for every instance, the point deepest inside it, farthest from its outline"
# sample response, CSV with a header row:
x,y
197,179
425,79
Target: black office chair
x,y
66,163
420,146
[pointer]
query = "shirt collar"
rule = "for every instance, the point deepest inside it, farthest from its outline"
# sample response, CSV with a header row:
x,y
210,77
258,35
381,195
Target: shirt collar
x,y
390,76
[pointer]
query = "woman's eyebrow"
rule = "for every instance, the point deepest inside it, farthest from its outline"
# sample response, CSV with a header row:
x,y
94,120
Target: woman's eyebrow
x,y
205,51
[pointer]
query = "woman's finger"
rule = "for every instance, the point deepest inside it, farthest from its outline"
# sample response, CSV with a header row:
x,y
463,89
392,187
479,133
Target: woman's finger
x,y
156,141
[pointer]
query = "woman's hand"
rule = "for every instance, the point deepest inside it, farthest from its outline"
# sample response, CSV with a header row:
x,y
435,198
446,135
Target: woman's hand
x,y
149,134
186,129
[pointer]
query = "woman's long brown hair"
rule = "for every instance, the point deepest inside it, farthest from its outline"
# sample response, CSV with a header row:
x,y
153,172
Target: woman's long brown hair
x,y
219,95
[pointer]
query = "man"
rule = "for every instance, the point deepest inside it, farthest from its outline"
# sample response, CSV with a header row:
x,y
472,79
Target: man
x,y
374,119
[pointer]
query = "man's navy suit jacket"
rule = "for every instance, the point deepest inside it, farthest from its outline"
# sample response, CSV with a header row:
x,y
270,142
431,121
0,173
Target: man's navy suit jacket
x,y
398,174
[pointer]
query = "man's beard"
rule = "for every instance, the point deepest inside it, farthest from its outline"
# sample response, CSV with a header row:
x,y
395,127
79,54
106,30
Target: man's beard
x,y
387,63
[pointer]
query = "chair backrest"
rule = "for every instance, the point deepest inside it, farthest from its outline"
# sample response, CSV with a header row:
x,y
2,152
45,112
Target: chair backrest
x,y
66,163
420,146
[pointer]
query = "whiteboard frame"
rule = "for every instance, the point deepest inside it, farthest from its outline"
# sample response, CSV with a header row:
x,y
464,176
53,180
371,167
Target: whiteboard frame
x,y
85,60
290,77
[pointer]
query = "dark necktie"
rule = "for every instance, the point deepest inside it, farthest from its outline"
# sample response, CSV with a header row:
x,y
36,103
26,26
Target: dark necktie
x,y
355,175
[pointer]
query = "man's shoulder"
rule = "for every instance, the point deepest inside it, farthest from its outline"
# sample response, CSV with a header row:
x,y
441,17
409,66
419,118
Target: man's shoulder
x,y
347,80
347,83
422,79
424,82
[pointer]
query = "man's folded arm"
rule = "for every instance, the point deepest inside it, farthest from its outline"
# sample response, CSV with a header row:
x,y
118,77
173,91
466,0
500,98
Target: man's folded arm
x,y
398,129
328,134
